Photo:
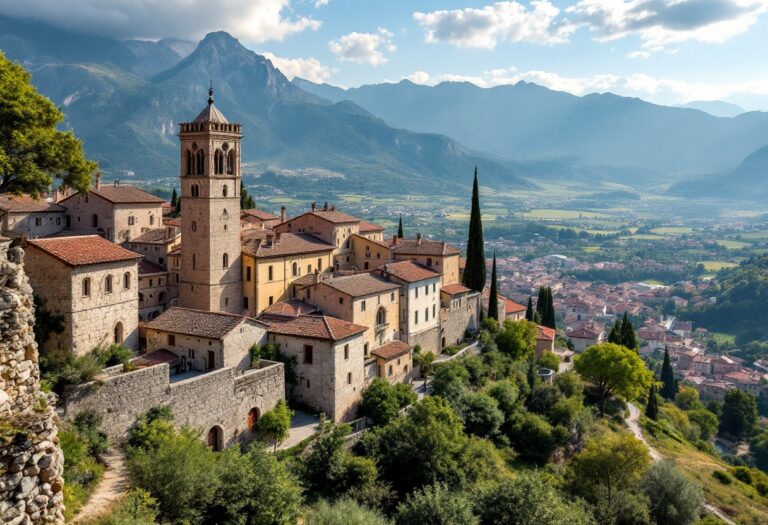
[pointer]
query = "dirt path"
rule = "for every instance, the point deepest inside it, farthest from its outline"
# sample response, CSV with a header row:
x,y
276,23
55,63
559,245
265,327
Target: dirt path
x,y
113,486
634,427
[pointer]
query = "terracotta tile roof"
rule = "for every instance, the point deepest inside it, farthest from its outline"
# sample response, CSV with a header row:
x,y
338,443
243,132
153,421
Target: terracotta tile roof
x,y
156,236
392,350
544,333
123,194
408,271
83,250
383,244
585,332
361,284
424,247
366,226
213,325
260,214
455,289
175,222
511,307
315,327
26,204
155,358
148,267
334,216
288,244
290,308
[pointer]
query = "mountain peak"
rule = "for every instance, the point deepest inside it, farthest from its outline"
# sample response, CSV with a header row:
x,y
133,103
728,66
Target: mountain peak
x,y
221,40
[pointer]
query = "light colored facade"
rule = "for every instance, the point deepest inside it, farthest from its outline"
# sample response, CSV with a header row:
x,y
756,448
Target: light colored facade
x,y
394,362
211,269
259,220
439,255
369,253
93,284
23,216
545,340
371,231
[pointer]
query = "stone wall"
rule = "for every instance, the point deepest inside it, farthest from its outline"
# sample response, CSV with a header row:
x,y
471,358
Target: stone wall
x,y
462,315
31,461
219,398
429,340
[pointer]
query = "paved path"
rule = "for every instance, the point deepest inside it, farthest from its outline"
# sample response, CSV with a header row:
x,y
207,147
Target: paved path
x,y
303,425
112,487
634,426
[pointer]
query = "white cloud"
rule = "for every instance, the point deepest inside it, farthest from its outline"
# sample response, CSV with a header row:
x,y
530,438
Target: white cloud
x,y
321,3
364,48
487,26
419,77
252,20
307,68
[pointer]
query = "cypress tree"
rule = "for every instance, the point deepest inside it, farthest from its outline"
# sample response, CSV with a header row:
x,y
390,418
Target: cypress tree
x,y
493,296
400,229
529,309
174,198
177,212
475,270
541,303
669,386
652,408
549,319
614,336
628,337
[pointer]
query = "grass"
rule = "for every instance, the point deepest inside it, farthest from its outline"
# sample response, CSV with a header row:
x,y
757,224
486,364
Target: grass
x,y
549,214
723,338
672,230
732,245
716,266
645,237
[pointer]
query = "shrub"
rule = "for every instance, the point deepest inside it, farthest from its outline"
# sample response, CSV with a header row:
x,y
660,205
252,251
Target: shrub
x,y
87,424
722,476
382,402
82,471
480,414
674,499
533,437
112,355
505,393
549,360
345,511
277,422
436,505
138,508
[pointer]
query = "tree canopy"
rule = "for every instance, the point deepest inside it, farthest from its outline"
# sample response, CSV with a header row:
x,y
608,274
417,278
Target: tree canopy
x,y
475,270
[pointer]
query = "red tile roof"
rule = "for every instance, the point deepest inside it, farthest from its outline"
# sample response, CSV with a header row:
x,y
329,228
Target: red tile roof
x,y
408,271
424,247
213,325
83,250
123,194
361,284
455,289
290,308
511,307
155,358
260,214
315,327
366,226
148,267
26,204
334,216
392,350
175,221
544,333
156,236
256,245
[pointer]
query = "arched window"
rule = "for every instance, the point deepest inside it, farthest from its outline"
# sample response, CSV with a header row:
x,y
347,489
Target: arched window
x,y
224,215
216,438
218,162
295,269
231,162
190,162
225,260
141,297
127,280
200,164
108,284
87,287
195,190
381,316
224,190
194,226
253,417
119,333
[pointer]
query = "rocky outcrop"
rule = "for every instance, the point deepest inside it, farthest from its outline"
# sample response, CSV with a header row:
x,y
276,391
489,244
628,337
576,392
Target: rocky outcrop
x,y
31,461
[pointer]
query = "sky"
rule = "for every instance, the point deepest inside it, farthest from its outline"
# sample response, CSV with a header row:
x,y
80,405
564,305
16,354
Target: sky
x,y
664,51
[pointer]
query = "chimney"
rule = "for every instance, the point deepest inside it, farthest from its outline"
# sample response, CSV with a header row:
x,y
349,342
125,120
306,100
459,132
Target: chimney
x,y
394,240
314,206
282,213
418,238
97,185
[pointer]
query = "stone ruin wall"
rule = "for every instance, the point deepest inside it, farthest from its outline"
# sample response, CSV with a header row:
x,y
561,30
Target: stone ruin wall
x,y
31,461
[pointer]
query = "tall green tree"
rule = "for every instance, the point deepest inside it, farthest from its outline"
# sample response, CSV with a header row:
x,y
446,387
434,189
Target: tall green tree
x,y
493,296
614,336
628,337
652,408
529,309
549,318
174,198
475,270
32,151
400,233
541,303
739,418
669,387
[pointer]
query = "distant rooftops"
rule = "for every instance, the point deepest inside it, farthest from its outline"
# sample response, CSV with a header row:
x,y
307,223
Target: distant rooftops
x,y
455,289
83,250
212,325
260,214
26,204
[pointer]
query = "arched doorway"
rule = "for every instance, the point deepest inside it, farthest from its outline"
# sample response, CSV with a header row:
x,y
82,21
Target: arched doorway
x,y
253,417
216,438
119,333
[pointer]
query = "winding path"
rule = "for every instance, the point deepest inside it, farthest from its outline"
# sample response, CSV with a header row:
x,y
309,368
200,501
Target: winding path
x,y
634,427
112,487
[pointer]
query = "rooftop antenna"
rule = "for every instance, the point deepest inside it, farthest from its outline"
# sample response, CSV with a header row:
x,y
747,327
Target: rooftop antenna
x,y
210,94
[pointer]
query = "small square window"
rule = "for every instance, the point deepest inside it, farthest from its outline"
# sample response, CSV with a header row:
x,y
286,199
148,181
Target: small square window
x,y
171,340
349,378
346,351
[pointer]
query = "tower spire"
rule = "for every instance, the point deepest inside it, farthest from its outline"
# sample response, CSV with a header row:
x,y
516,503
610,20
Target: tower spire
x,y
210,94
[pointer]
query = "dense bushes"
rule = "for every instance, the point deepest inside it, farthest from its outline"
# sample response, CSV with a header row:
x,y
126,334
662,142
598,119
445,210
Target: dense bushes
x,y
382,402
82,444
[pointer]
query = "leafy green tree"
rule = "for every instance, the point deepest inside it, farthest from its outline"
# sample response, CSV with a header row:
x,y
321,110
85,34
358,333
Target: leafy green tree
x,y
758,445
474,269
450,380
506,394
688,399
652,408
549,360
534,438
669,386
426,361
517,339
570,384
277,422
379,402
400,233
46,322
674,499
493,296
529,309
346,511
628,336
529,499
436,505
614,369
32,150
706,421
739,417
481,415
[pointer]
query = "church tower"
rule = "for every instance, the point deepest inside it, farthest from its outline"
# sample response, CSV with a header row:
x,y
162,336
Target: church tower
x,y
210,276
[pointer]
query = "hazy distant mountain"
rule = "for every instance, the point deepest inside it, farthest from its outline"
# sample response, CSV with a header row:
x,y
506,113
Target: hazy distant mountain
x,y
125,99
716,108
529,121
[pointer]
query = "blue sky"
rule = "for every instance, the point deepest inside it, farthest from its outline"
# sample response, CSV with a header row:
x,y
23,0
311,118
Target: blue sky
x,y
666,51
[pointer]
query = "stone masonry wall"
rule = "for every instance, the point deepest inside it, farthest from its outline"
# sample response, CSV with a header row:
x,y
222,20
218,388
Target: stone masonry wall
x,y
31,461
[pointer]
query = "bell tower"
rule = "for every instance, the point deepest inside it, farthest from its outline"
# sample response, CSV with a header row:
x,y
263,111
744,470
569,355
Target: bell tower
x,y
211,276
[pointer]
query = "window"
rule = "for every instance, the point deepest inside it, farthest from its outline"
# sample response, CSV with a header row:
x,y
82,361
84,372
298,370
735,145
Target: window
x,y
127,280
231,162
161,261
392,296
271,300
366,265
309,268
389,370
58,221
131,220
426,314
433,311
118,333
416,318
218,162
295,269
87,287
381,316
108,284
191,353
307,383
225,261
248,273
141,297
429,261
270,273
417,292
245,303
341,300
426,290
171,340
200,162
151,282
38,221
365,349
362,306
95,221
308,354
195,190
346,351
319,265
194,261
194,226
434,287
151,220
190,161
224,190
349,378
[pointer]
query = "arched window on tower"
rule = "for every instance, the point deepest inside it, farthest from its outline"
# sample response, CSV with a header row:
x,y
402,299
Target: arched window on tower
x,y
225,215
231,162
218,162
190,162
225,261
224,190
195,190
200,162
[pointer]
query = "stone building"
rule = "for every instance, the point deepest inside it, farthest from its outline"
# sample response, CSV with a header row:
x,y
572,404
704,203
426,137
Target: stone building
x,y
545,340
371,231
259,219
440,255
459,313
211,269
155,245
93,283
330,360
369,253
419,303
153,290
118,212
24,216
394,362
31,461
